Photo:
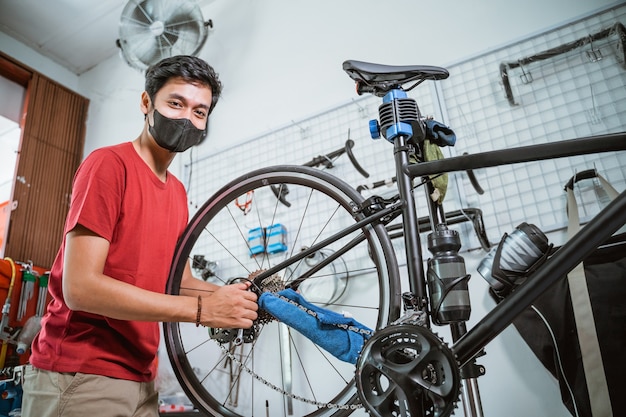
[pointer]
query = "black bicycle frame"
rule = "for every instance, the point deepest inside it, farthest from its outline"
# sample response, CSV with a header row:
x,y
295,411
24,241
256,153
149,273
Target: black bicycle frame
x,y
594,234
565,259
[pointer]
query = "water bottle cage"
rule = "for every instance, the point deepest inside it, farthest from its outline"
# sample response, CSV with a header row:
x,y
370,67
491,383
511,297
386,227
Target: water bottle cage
x,y
445,290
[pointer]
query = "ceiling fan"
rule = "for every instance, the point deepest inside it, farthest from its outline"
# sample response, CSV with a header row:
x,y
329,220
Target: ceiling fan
x,y
151,30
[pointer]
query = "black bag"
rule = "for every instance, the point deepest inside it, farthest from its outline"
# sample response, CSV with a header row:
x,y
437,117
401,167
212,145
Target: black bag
x,y
550,328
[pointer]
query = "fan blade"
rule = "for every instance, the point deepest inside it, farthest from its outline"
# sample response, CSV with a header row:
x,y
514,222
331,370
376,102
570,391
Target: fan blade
x,y
142,47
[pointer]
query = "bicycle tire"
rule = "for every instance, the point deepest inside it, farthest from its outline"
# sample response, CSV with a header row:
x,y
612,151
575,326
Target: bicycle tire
x,y
214,382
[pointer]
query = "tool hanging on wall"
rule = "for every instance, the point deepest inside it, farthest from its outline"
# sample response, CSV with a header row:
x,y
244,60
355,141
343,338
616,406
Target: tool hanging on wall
x,y
29,276
205,268
246,206
328,159
6,308
280,191
43,294
594,54
593,114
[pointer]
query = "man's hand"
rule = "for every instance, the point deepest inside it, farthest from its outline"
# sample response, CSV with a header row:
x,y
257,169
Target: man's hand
x,y
230,306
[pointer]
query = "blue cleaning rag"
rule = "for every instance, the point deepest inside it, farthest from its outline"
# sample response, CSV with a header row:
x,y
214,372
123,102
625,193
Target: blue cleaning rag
x,y
342,343
439,133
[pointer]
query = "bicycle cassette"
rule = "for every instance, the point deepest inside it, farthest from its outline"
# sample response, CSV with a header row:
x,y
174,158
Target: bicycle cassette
x,y
274,284
407,370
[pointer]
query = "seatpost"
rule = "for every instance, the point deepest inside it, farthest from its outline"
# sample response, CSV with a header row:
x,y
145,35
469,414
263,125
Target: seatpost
x,y
417,281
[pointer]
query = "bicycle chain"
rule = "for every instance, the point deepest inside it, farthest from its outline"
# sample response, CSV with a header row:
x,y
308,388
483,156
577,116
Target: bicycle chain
x,y
274,284
282,391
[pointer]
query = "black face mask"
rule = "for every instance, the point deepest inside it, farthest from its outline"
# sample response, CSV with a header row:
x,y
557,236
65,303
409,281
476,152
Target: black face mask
x,y
175,135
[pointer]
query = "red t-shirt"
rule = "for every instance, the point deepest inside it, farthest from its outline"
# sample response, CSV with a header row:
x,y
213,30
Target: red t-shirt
x,y
116,195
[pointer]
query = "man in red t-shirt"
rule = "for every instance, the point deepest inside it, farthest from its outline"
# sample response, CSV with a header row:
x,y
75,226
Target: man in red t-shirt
x,y
96,352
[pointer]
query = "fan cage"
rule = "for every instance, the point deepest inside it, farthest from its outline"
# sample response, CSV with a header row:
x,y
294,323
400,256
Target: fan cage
x,y
151,30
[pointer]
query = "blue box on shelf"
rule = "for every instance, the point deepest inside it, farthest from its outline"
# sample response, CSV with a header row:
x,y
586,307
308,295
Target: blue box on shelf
x,y
256,241
276,238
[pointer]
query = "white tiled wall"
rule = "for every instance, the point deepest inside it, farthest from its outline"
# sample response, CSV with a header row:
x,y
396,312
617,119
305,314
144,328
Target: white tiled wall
x,y
570,96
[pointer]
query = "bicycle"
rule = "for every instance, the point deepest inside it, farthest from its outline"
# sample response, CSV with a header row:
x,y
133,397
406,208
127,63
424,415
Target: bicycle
x,y
278,370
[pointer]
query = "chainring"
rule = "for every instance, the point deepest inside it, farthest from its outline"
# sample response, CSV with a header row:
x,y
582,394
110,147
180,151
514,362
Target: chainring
x,y
406,370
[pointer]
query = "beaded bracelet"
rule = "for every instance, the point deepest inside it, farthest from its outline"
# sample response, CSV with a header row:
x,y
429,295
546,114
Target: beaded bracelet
x,y
199,313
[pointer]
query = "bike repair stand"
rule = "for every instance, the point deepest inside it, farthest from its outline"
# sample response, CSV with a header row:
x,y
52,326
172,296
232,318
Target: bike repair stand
x,y
402,124
400,115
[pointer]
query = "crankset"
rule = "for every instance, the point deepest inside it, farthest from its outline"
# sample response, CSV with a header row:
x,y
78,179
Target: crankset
x,y
406,370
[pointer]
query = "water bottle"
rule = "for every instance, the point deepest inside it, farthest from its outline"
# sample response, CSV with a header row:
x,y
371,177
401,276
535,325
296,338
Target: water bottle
x,y
28,333
507,265
447,277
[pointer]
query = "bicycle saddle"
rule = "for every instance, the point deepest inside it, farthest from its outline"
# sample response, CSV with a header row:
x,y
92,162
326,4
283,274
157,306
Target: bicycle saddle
x,y
379,79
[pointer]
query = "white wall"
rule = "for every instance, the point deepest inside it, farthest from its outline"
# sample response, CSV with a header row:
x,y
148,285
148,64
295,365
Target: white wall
x,y
38,62
280,60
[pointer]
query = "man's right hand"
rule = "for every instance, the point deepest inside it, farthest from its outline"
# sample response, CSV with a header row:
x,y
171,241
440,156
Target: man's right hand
x,y
230,306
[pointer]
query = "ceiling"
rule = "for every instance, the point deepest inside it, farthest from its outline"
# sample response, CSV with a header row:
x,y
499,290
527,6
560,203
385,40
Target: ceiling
x,y
76,34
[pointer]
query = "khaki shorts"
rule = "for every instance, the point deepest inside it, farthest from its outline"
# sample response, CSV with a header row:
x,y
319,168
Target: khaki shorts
x,y
54,394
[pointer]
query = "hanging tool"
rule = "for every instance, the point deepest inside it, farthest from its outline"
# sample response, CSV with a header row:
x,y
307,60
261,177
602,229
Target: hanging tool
x,y
28,289
281,190
43,294
246,206
6,308
287,366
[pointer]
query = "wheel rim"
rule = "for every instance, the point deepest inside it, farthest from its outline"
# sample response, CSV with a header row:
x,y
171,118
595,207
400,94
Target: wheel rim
x,y
359,282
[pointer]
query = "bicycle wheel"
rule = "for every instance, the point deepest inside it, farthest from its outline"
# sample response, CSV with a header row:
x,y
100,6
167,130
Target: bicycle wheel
x,y
277,371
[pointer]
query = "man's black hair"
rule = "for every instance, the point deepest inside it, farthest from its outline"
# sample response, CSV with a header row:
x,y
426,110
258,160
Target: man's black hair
x,y
187,67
